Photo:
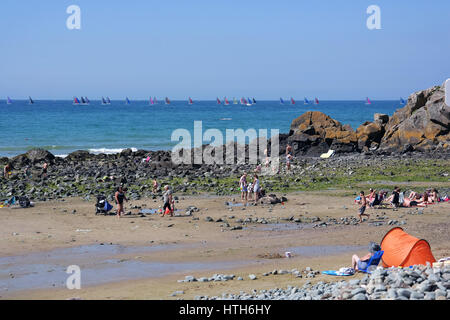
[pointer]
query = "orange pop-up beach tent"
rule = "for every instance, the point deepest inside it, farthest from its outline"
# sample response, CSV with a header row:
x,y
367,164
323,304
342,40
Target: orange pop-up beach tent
x,y
402,249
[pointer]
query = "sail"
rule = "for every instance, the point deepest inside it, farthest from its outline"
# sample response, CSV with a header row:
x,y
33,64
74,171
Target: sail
x,y
154,100
402,101
127,101
235,101
254,101
226,101
103,101
218,100
306,101
30,100
108,101
316,101
82,100
190,101
292,101
368,101
249,101
281,101
87,100
167,101
76,101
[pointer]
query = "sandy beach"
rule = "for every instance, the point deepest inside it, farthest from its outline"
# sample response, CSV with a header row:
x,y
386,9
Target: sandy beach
x,y
143,256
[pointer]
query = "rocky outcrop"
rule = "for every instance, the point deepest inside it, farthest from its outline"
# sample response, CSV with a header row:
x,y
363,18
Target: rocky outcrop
x,y
32,157
422,125
369,134
314,133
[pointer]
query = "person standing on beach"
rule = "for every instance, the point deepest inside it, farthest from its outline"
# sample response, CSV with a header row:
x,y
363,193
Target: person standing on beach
x,y
120,197
7,171
243,186
167,197
155,186
256,188
44,169
288,157
362,209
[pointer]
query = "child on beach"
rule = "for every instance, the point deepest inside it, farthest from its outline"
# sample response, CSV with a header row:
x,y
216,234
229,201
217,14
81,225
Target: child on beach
x,y
243,186
362,209
167,197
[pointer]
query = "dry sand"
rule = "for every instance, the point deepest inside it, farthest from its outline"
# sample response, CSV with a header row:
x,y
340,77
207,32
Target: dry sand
x,y
52,225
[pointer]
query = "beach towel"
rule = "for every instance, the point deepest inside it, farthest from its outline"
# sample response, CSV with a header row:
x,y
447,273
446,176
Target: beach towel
x,y
342,272
327,155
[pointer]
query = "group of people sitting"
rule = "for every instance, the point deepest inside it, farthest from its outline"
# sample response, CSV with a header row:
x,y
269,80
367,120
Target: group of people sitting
x,y
398,199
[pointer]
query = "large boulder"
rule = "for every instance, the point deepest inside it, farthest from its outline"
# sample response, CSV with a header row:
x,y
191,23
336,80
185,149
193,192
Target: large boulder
x,y
79,155
314,133
32,157
422,125
369,135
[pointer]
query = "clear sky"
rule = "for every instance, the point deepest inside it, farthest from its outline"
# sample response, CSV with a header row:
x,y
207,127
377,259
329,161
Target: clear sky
x,y
209,48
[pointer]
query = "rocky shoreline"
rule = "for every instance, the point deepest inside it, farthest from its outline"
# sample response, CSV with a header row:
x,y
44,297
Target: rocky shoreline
x,y
418,132
416,283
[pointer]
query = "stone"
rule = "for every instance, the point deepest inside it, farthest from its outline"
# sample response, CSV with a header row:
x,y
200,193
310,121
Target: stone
x,y
252,277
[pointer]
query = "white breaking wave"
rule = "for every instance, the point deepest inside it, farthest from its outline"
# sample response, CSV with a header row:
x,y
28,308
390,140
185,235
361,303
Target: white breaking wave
x,y
109,151
61,155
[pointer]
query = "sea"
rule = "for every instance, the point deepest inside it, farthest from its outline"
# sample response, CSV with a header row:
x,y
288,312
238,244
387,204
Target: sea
x,y
61,127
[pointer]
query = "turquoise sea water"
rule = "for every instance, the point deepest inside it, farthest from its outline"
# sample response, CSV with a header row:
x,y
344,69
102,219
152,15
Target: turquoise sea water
x,y
61,128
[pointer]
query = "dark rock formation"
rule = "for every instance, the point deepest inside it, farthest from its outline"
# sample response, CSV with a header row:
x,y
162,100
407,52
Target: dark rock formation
x,y
314,133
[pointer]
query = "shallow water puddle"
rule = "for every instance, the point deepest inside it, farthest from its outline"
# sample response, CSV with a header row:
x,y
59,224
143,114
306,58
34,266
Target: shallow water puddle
x,y
98,264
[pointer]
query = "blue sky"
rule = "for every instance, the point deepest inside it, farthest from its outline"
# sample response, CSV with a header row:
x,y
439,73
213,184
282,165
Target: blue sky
x,y
209,48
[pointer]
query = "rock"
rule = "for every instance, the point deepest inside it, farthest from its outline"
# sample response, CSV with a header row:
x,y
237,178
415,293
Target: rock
x,y
359,296
422,125
252,277
314,133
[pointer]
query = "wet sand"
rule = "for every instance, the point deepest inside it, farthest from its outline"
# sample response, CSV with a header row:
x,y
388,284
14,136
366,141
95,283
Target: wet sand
x,y
143,257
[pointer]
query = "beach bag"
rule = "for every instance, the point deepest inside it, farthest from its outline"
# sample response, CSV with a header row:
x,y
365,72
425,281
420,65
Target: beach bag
x,y
346,271
24,202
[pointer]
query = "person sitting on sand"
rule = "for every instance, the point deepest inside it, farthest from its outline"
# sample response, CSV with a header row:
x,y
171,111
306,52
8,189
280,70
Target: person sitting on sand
x,y
362,208
167,197
376,199
243,186
394,199
120,197
361,263
434,197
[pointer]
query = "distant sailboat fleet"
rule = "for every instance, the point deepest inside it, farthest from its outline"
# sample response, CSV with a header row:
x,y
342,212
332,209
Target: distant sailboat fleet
x,y
84,101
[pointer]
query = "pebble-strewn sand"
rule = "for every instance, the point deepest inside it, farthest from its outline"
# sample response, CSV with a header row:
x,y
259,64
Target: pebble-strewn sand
x,y
53,225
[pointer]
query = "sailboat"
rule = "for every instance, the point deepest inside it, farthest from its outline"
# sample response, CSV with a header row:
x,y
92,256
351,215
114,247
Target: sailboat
x,y
243,101
108,101
83,102
154,100
249,102
30,100
76,102
281,101
305,102
218,101
254,101
104,101
190,101
226,102
127,101
402,101
292,101
167,101
316,101
368,101
235,101
8,100
87,100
